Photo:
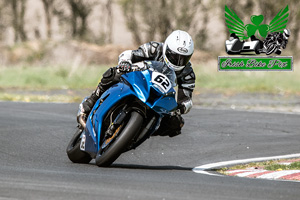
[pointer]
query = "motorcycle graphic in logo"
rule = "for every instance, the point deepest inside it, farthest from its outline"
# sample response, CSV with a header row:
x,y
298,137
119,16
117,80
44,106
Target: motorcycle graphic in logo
x,y
256,38
263,38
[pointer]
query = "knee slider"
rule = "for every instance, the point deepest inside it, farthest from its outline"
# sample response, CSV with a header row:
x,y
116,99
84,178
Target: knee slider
x,y
108,76
109,73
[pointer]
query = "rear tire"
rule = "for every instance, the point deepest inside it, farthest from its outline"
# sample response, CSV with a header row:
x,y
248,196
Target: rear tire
x,y
74,152
121,142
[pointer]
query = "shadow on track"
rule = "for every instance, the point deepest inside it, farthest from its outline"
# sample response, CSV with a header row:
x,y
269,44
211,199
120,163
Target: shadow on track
x,y
147,167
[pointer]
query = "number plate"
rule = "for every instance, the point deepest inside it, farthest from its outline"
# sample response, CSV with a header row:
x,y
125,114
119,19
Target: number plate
x,y
162,81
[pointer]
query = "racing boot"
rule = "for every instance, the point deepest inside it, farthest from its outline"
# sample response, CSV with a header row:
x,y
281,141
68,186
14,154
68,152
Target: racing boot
x,y
109,78
87,104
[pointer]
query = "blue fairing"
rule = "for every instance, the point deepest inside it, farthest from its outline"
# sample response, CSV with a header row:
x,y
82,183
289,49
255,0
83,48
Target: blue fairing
x,y
137,84
141,84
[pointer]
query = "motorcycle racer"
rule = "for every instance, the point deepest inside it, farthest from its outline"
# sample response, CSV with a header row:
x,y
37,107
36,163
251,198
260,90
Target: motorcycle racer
x,y
277,40
175,53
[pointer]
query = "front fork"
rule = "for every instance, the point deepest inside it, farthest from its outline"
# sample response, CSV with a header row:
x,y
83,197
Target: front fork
x,y
116,123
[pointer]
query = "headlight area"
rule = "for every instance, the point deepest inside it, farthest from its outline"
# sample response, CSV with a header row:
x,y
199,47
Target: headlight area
x,y
154,95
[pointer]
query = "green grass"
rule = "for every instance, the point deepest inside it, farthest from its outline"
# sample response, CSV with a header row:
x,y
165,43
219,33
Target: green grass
x,y
271,165
40,98
248,165
208,79
275,167
50,77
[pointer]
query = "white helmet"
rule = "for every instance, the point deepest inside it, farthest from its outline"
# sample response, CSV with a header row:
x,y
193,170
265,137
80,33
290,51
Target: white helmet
x,y
286,34
178,49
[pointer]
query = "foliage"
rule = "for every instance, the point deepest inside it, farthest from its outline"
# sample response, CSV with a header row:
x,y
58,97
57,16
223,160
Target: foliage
x,y
293,166
158,18
146,20
80,11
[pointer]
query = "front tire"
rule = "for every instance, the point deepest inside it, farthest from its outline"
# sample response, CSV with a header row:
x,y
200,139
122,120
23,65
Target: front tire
x,y
271,49
74,152
106,158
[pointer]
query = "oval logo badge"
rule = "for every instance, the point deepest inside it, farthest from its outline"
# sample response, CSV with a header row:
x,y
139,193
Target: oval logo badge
x,y
182,50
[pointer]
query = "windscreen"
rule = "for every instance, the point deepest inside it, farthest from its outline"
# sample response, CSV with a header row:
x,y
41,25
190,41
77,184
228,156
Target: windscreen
x,y
164,69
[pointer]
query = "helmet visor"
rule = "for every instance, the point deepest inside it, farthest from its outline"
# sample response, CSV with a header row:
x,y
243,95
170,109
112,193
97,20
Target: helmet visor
x,y
177,59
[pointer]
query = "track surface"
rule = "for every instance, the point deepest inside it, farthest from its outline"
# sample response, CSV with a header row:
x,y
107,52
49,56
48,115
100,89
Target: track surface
x,y
34,164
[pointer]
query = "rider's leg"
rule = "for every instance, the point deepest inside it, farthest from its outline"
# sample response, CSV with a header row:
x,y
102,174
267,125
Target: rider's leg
x,y
110,77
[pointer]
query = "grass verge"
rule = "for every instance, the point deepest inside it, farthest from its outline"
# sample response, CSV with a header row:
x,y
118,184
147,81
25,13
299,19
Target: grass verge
x,y
208,79
272,165
50,77
39,98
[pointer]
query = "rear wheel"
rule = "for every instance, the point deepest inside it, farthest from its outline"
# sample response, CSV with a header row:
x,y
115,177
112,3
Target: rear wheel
x,y
74,152
106,156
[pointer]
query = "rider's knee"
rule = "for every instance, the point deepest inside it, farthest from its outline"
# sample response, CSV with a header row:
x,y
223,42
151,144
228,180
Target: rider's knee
x,y
109,78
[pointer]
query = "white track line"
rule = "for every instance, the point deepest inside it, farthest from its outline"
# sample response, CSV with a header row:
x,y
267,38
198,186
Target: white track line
x,y
204,169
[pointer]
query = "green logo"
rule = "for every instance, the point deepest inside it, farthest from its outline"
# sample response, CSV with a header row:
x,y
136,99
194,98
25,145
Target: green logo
x,y
256,38
259,63
236,25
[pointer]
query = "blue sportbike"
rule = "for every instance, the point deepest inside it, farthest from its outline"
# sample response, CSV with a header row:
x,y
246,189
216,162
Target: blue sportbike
x,y
125,115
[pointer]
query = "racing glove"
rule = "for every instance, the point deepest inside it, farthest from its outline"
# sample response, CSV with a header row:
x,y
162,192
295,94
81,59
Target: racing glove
x,y
124,66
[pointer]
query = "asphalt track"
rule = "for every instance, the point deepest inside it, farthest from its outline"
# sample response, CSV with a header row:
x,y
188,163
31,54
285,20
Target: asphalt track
x,y
34,164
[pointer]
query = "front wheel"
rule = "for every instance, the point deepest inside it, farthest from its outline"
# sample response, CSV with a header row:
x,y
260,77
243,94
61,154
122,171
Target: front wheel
x,y
271,49
74,152
106,157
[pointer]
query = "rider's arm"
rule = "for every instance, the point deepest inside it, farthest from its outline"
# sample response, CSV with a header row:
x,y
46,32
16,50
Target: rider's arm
x,y
148,51
186,86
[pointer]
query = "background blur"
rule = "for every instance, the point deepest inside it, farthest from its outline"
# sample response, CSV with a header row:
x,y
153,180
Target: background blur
x,y
52,50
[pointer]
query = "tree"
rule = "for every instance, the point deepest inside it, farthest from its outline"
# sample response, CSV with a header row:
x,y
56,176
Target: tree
x,y
106,19
157,18
18,12
129,10
3,16
109,22
295,13
80,11
164,22
48,8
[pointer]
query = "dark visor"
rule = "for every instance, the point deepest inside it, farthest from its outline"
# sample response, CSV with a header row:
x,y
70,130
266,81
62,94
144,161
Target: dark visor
x,y
177,59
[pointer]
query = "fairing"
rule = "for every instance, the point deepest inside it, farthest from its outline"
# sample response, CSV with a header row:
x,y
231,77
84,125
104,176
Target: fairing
x,y
136,84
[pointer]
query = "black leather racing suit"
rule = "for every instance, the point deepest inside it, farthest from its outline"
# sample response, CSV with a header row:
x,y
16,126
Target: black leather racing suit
x,y
149,51
154,51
